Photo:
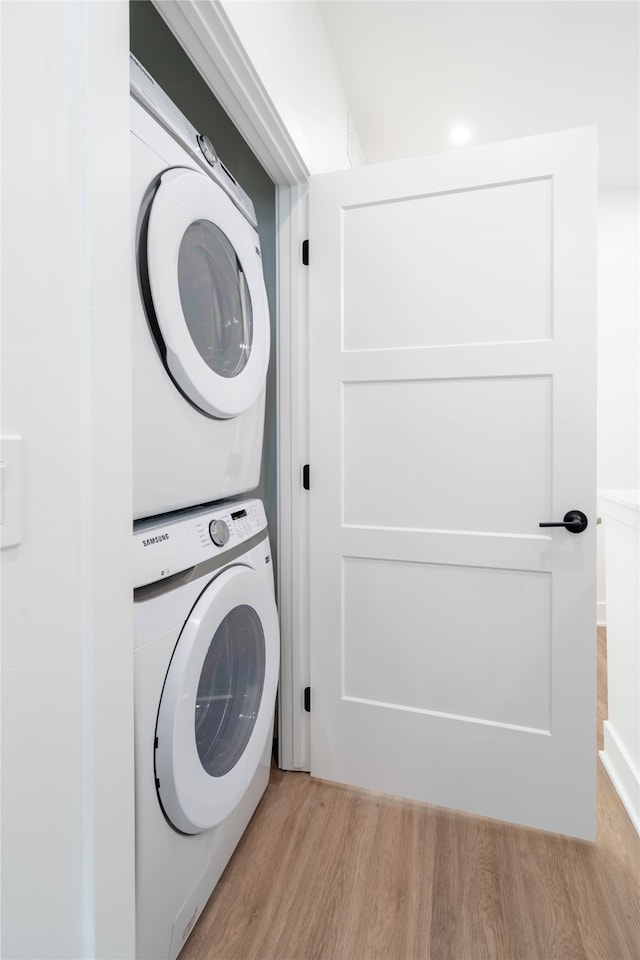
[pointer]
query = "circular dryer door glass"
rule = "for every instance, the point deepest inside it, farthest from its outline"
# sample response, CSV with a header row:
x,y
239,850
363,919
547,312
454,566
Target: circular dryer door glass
x,y
230,691
215,299
206,298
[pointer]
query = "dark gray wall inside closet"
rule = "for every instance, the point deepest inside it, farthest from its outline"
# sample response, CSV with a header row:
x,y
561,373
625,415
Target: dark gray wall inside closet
x,y
160,53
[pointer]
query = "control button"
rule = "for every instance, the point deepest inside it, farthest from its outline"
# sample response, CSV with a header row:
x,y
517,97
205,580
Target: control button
x,y
219,532
207,150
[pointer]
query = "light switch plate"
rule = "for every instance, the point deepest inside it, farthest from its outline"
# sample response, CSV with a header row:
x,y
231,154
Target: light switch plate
x,y
10,491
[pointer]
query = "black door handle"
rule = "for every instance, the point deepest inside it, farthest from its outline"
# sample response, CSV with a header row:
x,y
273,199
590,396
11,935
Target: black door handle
x,y
574,521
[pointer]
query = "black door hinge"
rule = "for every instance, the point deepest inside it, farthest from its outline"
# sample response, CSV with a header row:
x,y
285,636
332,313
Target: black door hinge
x,y
305,476
305,252
307,699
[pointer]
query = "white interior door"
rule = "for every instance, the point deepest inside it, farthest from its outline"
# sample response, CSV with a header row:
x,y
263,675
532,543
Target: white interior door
x,y
452,395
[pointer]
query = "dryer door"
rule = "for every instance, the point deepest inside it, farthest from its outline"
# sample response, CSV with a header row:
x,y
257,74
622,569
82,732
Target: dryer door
x,y
218,701
205,293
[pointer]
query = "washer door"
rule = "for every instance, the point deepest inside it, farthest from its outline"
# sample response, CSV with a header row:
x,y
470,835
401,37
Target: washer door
x,y
218,700
207,289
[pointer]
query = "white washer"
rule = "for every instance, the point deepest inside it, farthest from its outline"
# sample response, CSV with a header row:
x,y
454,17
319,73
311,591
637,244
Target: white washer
x,y
206,672
200,315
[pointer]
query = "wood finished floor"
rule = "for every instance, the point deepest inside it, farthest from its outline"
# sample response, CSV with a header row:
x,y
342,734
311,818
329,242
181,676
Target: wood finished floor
x,y
326,872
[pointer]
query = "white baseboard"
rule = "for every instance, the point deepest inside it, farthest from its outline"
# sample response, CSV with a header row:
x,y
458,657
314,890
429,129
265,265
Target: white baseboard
x,y
601,613
622,774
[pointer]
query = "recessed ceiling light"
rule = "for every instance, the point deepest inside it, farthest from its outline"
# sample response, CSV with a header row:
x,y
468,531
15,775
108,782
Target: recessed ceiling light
x,y
460,133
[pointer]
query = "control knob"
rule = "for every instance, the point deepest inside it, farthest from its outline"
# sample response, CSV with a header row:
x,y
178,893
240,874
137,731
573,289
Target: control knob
x,y
219,532
207,149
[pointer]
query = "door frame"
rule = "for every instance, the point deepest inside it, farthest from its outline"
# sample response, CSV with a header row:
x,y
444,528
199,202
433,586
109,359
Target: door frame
x,y
231,76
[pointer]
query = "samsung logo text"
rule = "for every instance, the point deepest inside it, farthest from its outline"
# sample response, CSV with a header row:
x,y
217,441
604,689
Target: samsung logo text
x,y
158,539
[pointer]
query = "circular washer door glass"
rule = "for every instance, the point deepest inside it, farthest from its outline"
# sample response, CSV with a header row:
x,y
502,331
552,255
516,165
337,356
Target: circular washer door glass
x,y
230,691
216,706
215,298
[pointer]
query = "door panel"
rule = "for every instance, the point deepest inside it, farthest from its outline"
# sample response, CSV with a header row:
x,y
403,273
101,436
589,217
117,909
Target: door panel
x,y
502,678
452,394
441,453
477,269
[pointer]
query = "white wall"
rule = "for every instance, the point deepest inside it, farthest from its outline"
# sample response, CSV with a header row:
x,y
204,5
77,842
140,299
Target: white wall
x,y
621,753
618,339
289,49
618,352
67,764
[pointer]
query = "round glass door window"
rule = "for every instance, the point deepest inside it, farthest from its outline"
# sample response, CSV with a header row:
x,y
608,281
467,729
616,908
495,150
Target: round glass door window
x,y
215,299
217,702
230,691
206,294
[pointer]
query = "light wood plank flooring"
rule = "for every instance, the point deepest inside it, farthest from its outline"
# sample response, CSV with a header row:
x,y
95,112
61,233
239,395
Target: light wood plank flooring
x,y
326,872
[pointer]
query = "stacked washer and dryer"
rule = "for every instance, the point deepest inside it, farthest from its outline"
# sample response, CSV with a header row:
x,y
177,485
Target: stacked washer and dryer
x,y
206,626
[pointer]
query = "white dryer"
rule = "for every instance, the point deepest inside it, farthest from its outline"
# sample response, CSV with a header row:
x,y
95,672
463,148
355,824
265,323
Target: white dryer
x,y
206,672
200,315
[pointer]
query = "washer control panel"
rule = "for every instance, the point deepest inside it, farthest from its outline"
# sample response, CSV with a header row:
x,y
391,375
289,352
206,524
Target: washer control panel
x,y
166,546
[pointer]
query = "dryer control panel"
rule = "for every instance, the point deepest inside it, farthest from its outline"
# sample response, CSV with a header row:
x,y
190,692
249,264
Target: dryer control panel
x,y
155,101
163,547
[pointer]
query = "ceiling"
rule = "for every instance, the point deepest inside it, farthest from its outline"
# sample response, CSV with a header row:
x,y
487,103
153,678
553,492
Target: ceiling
x,y
506,68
